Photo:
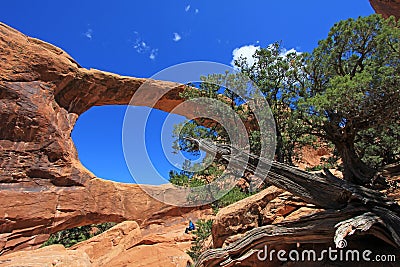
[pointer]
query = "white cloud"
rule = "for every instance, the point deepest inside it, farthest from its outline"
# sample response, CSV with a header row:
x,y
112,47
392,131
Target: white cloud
x,y
142,47
177,37
153,54
285,52
196,11
187,8
89,34
247,52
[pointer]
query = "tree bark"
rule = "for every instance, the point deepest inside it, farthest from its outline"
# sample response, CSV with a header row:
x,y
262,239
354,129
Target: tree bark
x,y
355,171
279,144
329,227
348,206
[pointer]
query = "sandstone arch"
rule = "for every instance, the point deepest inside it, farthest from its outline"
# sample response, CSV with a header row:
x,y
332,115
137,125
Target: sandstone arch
x,y
44,187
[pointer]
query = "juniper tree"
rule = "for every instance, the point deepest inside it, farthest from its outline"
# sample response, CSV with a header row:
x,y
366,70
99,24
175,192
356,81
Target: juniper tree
x,y
352,88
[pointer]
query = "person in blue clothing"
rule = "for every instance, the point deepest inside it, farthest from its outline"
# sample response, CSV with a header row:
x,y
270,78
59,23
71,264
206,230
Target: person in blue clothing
x,y
190,228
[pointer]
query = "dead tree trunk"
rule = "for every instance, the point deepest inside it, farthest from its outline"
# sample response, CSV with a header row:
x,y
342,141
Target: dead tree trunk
x,y
348,207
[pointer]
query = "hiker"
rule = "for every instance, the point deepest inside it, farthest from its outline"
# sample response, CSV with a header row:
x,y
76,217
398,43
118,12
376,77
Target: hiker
x,y
190,228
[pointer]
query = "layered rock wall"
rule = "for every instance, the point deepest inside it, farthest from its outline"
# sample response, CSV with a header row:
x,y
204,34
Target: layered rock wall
x,y
43,186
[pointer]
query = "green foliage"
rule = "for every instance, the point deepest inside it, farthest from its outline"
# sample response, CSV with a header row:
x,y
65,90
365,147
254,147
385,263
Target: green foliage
x,y
219,92
179,179
75,235
350,71
219,101
345,93
352,89
194,129
202,232
194,175
379,147
222,90
274,72
320,167
201,178
233,196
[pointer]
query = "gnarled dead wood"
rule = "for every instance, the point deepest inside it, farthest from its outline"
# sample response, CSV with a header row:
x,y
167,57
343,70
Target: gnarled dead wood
x,y
315,229
349,207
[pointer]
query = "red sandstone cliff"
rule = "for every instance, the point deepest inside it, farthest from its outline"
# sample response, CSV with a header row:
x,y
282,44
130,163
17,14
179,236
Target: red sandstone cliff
x,y
44,187
386,7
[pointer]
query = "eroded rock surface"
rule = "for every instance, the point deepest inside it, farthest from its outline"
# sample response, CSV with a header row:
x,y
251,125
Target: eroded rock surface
x,y
123,245
44,187
270,206
127,245
55,255
386,7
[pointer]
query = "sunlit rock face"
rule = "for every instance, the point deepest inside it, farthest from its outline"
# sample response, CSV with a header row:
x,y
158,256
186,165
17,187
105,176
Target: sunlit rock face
x,y
43,186
123,245
386,7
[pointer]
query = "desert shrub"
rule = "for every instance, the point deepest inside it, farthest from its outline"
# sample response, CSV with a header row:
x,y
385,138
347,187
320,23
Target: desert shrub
x,y
202,232
234,195
70,237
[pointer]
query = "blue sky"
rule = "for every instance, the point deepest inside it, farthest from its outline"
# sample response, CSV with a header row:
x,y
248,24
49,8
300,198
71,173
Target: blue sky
x,y
141,38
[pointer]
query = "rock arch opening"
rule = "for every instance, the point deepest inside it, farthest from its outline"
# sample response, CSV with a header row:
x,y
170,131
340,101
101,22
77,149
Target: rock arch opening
x,y
97,136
